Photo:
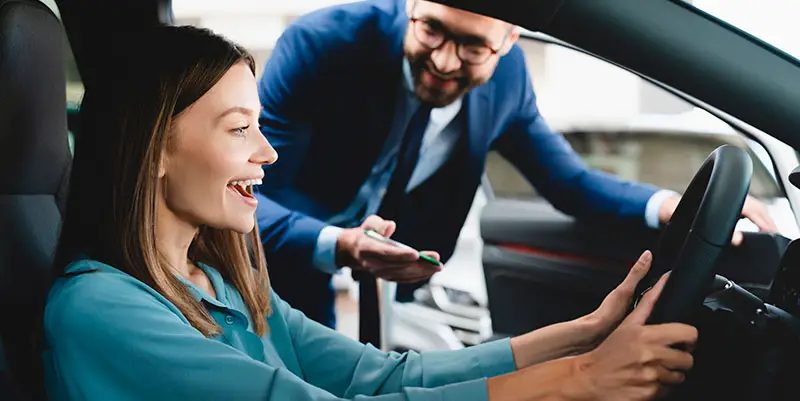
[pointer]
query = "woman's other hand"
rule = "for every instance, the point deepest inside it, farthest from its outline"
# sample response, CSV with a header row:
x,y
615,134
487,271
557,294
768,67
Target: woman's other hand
x,y
636,361
585,333
618,302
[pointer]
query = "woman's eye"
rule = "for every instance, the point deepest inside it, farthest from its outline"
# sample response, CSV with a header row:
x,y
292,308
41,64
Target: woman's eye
x,y
241,131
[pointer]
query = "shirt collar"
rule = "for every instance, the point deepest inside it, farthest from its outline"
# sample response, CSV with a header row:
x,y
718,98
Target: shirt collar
x,y
216,281
84,264
408,79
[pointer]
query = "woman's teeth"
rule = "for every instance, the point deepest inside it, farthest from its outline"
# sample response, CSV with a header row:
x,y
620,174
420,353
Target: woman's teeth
x,y
246,183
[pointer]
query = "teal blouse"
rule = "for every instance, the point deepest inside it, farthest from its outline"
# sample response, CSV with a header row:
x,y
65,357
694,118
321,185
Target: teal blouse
x,y
111,337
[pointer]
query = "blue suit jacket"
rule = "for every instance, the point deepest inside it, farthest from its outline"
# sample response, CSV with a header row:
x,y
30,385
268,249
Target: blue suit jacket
x,y
328,93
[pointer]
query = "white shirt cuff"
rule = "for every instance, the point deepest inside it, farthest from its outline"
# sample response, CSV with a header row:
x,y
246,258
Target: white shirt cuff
x,y
324,258
654,206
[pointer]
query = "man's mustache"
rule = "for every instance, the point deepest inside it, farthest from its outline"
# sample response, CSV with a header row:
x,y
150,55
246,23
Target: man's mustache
x,y
420,63
431,69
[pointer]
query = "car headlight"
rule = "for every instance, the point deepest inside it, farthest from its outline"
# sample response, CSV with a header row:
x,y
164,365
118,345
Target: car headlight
x,y
450,300
459,297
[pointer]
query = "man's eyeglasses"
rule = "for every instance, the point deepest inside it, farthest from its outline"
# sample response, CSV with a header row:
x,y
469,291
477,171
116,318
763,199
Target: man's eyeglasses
x,y
433,35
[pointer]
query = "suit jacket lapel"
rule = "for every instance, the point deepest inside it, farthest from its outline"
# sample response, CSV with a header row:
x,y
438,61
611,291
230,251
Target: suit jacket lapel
x,y
378,108
479,126
395,33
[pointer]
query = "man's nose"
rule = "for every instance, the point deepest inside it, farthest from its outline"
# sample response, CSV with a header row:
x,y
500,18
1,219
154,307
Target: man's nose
x,y
445,58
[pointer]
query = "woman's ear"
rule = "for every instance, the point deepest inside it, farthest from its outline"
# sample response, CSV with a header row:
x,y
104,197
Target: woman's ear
x,y
168,147
162,164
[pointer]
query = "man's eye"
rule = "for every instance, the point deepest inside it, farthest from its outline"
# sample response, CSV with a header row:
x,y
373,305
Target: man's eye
x,y
241,131
476,50
432,30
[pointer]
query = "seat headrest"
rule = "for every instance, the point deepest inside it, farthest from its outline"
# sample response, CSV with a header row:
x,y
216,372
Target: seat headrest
x,y
34,166
32,100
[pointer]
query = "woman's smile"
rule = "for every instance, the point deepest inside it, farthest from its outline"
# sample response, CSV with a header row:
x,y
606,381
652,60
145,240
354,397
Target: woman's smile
x,y
243,190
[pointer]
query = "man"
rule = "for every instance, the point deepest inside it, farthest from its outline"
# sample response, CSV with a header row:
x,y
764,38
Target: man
x,y
390,108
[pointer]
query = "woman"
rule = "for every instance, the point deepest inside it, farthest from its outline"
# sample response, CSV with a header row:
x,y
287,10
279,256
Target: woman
x,y
161,298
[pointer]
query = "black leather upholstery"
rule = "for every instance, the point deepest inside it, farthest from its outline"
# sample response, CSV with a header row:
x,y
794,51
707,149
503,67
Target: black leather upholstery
x,y
34,165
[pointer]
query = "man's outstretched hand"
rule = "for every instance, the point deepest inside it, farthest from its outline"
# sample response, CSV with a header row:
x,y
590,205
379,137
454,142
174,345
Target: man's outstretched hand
x,y
753,209
360,252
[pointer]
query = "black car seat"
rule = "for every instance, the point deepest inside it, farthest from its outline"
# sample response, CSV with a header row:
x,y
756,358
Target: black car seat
x,y
34,165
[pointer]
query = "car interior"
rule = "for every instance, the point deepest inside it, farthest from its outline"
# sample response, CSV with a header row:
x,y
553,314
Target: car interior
x,y
33,173
540,266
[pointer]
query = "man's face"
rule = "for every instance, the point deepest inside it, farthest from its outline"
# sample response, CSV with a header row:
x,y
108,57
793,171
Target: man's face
x,y
452,51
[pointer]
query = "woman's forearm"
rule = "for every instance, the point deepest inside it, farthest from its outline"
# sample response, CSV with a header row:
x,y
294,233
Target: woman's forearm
x,y
556,380
555,341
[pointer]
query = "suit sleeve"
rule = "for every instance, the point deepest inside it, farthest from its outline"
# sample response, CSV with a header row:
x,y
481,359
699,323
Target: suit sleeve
x,y
550,164
286,89
350,369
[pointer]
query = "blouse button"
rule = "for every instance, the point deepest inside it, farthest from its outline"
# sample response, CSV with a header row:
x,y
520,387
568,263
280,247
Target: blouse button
x,y
229,319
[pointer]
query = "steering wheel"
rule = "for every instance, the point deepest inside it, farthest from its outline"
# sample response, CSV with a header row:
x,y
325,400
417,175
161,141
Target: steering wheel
x,y
700,228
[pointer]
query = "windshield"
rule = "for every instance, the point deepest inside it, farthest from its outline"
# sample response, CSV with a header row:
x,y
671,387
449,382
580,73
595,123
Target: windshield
x,y
772,21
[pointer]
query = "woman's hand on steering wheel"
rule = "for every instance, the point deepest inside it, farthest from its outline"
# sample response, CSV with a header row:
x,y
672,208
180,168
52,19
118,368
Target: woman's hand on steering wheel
x,y
617,303
636,361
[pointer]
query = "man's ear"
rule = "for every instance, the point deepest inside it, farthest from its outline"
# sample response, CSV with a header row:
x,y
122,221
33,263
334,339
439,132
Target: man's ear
x,y
511,39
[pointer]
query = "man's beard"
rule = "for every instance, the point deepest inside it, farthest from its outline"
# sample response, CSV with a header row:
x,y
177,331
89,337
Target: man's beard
x,y
432,95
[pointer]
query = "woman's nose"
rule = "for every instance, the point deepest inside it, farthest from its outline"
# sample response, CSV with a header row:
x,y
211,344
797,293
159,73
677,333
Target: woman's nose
x,y
266,154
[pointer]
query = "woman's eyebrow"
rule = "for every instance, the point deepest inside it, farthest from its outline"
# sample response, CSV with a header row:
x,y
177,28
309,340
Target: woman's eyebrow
x,y
236,109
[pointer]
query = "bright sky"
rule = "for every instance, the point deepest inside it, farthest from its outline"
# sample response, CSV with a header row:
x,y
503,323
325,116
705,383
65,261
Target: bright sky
x,y
773,21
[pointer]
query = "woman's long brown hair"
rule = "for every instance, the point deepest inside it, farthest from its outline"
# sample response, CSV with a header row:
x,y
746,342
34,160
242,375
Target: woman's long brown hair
x,y
127,116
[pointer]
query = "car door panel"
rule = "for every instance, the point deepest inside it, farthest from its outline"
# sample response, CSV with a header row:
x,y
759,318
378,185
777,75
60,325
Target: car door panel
x,y
509,222
526,292
543,267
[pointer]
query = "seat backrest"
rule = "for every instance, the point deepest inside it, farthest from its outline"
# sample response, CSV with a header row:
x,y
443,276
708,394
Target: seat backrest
x,y
34,165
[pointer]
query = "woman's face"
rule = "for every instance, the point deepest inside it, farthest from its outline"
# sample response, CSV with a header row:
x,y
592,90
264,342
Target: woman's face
x,y
214,155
